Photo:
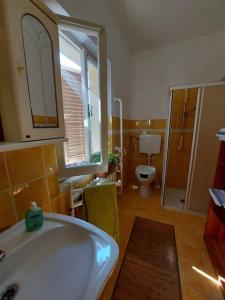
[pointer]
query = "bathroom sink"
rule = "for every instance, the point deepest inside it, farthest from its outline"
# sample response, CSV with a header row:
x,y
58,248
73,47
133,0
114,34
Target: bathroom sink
x,y
66,259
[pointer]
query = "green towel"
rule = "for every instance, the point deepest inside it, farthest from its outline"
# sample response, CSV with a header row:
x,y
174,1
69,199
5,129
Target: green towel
x,y
101,206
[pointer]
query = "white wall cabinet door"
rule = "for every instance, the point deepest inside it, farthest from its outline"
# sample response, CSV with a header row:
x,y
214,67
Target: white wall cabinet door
x,y
31,103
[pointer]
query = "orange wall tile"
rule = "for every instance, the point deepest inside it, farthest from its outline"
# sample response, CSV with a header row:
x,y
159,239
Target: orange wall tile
x,y
115,123
50,159
7,214
61,204
148,124
53,185
32,176
25,165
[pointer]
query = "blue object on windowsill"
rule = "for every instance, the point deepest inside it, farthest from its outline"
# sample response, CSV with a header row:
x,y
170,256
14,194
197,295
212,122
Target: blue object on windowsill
x,y
218,196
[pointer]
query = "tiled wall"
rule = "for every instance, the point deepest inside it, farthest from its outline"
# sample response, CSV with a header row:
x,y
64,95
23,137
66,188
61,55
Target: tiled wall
x,y
178,159
29,175
32,174
133,157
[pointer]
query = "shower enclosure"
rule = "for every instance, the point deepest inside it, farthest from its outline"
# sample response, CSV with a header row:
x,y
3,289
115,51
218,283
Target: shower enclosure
x,y
196,114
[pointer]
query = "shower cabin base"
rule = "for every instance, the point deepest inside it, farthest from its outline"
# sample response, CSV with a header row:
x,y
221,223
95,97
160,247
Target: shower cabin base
x,y
174,198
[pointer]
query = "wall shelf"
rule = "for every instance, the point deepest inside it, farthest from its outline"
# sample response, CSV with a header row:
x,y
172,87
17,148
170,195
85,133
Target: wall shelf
x,y
11,146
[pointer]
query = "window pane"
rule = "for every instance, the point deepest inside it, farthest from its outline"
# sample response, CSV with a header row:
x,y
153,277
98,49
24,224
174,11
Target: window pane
x,y
94,107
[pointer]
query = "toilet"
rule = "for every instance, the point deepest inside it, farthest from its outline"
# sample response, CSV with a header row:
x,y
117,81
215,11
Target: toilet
x,y
145,175
149,144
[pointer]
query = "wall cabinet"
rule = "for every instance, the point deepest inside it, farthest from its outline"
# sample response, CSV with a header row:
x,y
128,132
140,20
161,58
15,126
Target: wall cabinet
x,y
30,93
49,60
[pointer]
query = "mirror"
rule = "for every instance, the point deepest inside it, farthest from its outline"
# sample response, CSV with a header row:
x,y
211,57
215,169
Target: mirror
x,y
38,51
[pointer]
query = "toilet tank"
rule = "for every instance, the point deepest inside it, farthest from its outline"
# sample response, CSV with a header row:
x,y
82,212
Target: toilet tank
x,y
150,143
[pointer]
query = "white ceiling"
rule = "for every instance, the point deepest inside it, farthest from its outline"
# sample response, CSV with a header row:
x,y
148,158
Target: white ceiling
x,y
153,23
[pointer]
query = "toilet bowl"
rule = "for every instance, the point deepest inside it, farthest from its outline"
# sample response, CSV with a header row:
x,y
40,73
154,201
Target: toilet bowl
x,y
145,175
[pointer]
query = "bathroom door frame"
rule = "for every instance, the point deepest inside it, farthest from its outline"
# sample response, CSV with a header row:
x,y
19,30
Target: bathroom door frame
x,y
194,139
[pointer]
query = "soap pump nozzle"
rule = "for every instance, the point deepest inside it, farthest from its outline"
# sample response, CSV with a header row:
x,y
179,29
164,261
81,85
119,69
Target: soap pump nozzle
x,y
33,205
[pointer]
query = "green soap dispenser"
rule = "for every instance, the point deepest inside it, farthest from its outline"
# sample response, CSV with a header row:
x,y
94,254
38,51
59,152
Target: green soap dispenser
x,y
34,217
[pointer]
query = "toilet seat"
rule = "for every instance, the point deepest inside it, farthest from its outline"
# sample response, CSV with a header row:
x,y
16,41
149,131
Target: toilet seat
x,y
145,170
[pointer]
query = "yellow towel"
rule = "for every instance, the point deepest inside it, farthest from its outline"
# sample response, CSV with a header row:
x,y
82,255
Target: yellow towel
x,y
101,205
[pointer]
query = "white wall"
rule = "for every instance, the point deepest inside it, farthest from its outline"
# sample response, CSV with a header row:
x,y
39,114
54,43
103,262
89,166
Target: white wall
x,y
98,11
187,62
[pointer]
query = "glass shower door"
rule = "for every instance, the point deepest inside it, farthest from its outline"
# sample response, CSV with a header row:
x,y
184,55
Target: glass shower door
x,y
180,137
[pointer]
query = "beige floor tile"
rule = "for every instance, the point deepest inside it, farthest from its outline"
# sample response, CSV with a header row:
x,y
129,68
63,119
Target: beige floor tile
x,y
195,280
215,292
190,255
191,240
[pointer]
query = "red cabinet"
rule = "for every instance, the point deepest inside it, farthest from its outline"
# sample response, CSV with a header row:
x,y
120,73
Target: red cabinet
x,y
214,235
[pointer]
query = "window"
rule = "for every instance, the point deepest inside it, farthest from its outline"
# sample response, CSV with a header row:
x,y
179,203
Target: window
x,y
83,67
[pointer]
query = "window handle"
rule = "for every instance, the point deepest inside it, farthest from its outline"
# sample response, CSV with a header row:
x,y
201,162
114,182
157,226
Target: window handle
x,y
90,110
